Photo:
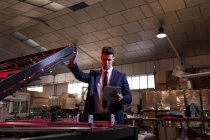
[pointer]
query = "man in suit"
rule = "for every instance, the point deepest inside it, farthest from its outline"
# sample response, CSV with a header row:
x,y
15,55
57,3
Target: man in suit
x,y
97,79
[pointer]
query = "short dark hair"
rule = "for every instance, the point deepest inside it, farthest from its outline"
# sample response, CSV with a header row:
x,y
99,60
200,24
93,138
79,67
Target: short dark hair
x,y
107,50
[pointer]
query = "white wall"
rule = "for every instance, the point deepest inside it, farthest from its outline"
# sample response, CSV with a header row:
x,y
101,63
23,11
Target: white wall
x,y
49,89
61,88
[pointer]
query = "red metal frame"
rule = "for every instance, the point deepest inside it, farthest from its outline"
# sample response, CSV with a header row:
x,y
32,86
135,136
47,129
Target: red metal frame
x,y
15,65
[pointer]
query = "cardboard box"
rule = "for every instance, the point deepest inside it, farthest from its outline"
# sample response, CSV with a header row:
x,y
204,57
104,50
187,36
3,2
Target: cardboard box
x,y
161,86
167,133
67,103
40,95
205,97
64,95
53,101
148,100
161,77
37,102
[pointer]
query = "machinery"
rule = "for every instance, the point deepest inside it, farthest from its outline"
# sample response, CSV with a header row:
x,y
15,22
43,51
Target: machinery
x,y
15,78
23,77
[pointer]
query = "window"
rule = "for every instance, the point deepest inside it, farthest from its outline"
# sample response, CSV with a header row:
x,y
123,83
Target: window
x,y
76,88
20,107
129,80
141,81
151,81
16,107
35,88
135,82
24,106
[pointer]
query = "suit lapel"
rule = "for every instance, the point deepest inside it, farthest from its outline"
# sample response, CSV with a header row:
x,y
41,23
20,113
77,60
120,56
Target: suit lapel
x,y
98,75
113,77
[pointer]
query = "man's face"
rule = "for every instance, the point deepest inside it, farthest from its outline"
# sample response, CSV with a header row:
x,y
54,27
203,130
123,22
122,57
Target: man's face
x,y
107,61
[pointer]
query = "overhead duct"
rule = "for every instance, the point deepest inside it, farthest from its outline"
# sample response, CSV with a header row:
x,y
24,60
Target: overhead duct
x,y
178,71
200,74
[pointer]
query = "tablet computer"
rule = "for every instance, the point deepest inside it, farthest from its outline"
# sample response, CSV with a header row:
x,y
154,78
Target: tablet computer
x,y
108,90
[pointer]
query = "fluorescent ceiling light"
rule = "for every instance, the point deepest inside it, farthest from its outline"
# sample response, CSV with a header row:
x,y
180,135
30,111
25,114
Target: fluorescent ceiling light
x,y
28,42
41,49
54,6
35,45
19,36
31,43
38,2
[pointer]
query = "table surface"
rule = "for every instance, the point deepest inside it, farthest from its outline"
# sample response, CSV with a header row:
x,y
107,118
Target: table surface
x,y
171,119
38,125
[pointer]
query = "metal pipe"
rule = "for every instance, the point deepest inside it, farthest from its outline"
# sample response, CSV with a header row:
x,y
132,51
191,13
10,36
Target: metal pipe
x,y
173,47
201,74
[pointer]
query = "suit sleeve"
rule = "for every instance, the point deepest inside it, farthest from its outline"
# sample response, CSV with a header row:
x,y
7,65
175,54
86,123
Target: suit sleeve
x,y
79,75
127,98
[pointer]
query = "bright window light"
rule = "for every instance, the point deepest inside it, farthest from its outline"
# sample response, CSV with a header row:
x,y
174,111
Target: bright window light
x,y
143,82
35,88
85,85
151,81
79,90
76,88
70,88
129,80
135,82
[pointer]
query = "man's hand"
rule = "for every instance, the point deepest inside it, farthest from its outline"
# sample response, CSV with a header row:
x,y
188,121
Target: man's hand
x,y
72,61
116,97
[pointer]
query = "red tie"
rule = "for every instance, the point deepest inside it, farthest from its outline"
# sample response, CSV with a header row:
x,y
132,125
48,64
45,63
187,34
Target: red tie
x,y
105,79
105,84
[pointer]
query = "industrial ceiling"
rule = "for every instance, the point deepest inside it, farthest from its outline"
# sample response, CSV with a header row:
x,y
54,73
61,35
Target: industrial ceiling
x,y
130,26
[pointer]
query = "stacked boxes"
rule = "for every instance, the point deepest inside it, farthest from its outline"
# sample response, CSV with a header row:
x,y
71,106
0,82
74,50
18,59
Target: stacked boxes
x,y
53,101
164,100
67,102
39,99
43,99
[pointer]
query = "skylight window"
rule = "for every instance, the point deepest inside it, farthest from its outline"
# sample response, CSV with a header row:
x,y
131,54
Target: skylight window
x,y
46,4
28,41
38,2
19,36
54,6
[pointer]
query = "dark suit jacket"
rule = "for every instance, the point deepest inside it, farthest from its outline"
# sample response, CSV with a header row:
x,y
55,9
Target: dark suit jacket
x,y
117,79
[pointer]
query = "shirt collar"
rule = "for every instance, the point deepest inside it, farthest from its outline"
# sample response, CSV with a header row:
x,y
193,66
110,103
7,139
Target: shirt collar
x,y
109,70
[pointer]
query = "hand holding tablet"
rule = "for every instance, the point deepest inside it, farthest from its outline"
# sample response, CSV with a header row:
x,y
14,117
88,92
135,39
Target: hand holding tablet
x,y
112,93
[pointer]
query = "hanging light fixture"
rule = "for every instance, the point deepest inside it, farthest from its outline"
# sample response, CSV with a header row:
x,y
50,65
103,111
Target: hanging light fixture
x,y
161,33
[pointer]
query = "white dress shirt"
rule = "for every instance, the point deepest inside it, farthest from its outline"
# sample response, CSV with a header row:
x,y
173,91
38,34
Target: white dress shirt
x,y
99,99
